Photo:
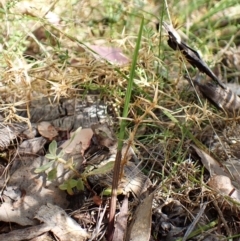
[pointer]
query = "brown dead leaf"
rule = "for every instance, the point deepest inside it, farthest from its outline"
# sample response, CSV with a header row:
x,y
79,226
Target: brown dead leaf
x,y
46,129
221,178
213,166
27,191
64,227
7,134
43,237
121,222
234,168
140,227
26,233
80,137
30,133
224,185
32,146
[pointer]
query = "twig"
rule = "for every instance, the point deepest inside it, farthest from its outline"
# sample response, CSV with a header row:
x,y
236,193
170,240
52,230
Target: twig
x,y
193,224
222,218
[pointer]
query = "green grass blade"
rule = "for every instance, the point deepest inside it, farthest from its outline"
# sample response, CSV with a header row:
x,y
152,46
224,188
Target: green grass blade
x,y
129,87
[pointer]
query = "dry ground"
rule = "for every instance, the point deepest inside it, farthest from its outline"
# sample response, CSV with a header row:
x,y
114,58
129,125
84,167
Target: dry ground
x,y
185,148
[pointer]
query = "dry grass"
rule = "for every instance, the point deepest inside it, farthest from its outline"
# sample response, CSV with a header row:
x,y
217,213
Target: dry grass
x,y
168,112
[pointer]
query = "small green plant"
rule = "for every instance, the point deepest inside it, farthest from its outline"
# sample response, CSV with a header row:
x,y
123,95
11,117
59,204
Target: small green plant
x,y
70,183
54,157
58,158
79,183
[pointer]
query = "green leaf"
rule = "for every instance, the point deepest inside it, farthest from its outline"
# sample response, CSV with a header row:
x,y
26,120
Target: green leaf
x,y
170,116
69,190
72,182
44,167
50,156
102,170
63,186
107,192
60,154
128,95
68,185
52,174
53,147
80,185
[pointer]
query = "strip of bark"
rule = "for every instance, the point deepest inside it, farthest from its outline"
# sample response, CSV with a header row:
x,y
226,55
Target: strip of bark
x,y
26,233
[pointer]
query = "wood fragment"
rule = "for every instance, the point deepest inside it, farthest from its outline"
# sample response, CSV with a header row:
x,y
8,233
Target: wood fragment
x,y
67,115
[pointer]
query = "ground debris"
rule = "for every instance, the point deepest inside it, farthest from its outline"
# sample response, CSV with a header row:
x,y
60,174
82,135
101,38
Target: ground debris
x,y
22,201
26,233
64,227
140,226
25,190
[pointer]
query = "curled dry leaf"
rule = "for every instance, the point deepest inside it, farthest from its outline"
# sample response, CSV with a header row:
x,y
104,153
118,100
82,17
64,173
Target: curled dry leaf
x,y
80,137
64,227
46,129
8,133
221,178
213,166
234,168
224,185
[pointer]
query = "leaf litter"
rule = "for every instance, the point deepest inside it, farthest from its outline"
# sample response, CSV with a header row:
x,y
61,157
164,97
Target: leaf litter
x,y
45,153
